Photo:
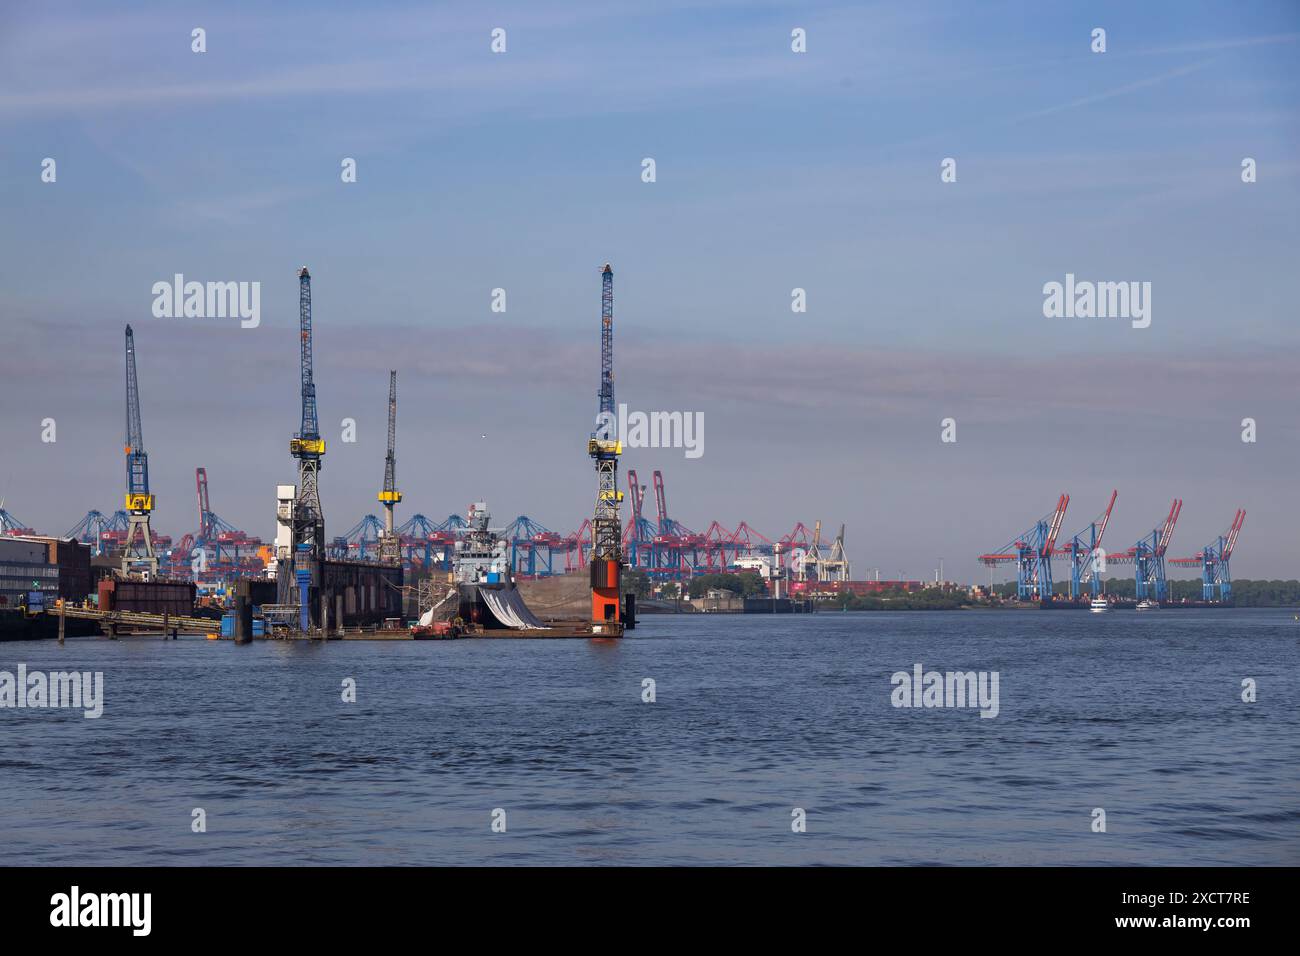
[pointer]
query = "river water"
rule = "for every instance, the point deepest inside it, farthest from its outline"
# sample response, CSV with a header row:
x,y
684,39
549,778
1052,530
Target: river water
x,y
754,718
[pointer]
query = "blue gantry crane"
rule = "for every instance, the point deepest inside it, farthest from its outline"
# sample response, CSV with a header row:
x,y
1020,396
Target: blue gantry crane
x,y
532,547
1148,558
363,537
90,530
1213,562
639,535
1032,554
11,525
1087,559
427,544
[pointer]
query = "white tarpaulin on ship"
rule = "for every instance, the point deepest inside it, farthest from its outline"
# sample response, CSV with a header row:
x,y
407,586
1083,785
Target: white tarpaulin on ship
x,y
428,616
507,606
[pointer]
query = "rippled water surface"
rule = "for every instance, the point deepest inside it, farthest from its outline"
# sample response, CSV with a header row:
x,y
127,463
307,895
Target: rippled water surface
x,y
1138,714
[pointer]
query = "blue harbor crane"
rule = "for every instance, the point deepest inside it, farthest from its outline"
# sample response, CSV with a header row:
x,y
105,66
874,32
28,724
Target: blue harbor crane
x,y
529,542
1148,558
138,557
1213,562
364,537
1032,554
418,533
639,535
1087,559
11,525
302,562
90,530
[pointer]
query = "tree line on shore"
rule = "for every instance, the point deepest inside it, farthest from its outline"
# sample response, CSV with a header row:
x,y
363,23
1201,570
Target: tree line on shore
x,y
1245,592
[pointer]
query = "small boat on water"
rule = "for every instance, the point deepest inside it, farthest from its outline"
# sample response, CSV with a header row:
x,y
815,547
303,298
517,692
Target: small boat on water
x,y
1148,605
1099,605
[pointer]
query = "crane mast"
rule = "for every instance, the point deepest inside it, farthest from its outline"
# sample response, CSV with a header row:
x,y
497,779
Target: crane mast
x,y
138,556
607,341
604,447
390,551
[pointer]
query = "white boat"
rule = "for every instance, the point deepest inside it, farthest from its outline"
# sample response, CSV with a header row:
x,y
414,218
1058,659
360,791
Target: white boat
x,y
1148,605
1099,605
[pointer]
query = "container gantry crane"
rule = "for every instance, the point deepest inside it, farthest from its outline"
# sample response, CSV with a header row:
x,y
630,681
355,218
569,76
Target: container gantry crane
x,y
11,525
138,555
1148,558
390,544
678,546
836,567
1032,553
1213,562
90,530
228,544
604,446
1087,560
639,535
307,548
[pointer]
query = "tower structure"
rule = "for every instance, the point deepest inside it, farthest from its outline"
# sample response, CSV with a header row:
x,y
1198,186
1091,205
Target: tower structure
x,y
390,544
138,557
604,447
307,521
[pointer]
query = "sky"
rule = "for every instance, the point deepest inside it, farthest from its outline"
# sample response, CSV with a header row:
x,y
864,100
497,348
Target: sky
x,y
774,170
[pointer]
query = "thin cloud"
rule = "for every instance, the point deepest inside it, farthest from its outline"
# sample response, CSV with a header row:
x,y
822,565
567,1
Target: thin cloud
x,y
1112,93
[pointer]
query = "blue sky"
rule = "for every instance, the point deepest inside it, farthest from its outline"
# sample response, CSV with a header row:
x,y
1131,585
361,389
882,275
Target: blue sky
x,y
775,171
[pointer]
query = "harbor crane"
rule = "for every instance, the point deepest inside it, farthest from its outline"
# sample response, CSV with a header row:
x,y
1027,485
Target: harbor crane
x,y
674,541
1087,559
390,543
306,550
138,555
11,525
639,535
1148,558
1032,554
836,567
1213,562
90,530
604,446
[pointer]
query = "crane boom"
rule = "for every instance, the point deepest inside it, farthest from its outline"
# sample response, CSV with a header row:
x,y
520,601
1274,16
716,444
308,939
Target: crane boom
x,y
638,496
1231,542
390,462
1055,529
661,503
1105,519
1168,531
205,512
310,428
607,342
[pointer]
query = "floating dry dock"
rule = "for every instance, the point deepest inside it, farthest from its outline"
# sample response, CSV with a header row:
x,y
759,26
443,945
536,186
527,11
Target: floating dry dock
x,y
558,630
